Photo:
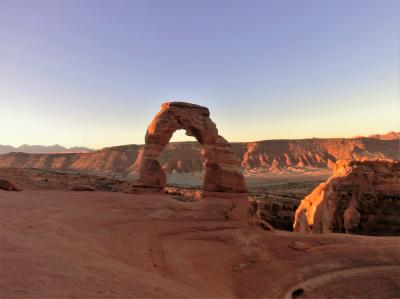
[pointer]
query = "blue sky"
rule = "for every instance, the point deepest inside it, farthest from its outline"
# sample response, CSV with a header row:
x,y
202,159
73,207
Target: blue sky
x,y
94,73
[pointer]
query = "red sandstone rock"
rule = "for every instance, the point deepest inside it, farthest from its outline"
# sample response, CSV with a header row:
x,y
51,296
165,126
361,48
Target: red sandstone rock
x,y
222,171
82,188
361,197
388,136
303,155
116,245
8,186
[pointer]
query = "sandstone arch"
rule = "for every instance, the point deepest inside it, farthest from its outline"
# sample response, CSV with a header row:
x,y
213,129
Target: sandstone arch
x,y
222,171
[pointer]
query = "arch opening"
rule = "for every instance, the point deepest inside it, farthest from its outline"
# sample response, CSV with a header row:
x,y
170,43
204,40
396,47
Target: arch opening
x,y
182,161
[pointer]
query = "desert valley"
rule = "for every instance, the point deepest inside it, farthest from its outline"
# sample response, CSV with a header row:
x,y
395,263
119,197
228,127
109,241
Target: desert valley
x,y
199,149
115,223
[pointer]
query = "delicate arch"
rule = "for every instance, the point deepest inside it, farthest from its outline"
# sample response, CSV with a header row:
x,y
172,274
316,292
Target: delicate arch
x,y
222,171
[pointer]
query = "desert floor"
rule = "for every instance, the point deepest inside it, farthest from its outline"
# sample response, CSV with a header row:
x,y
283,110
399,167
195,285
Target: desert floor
x,y
65,244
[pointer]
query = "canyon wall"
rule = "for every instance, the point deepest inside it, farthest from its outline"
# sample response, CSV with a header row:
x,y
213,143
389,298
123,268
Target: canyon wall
x,y
262,156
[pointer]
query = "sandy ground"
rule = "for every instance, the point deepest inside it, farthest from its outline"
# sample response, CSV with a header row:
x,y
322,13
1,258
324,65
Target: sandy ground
x,y
39,179
64,244
254,179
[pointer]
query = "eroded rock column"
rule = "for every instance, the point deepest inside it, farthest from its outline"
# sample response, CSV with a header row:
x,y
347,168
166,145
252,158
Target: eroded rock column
x,y
361,197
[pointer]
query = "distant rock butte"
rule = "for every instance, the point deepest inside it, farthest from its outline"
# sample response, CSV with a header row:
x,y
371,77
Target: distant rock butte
x,y
361,197
387,136
262,156
222,171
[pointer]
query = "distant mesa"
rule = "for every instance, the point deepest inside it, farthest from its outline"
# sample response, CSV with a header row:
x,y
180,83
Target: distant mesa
x,y
388,136
222,171
299,156
361,197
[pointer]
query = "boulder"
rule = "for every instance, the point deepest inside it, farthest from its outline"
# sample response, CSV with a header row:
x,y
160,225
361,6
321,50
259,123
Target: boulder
x,y
82,188
361,197
8,186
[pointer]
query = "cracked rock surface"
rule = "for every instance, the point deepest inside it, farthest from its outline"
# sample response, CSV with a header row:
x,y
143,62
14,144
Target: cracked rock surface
x,y
65,244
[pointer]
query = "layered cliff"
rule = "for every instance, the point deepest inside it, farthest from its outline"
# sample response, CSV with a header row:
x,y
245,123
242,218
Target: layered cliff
x,y
262,156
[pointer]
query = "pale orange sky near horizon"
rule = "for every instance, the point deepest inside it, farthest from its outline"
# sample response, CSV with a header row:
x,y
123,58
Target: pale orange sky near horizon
x,y
266,70
60,130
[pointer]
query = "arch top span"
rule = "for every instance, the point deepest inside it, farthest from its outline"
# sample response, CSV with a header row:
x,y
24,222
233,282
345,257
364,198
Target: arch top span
x,y
222,171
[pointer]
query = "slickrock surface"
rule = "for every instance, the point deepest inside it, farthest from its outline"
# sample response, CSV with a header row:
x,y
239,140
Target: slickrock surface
x,y
222,172
62,244
361,197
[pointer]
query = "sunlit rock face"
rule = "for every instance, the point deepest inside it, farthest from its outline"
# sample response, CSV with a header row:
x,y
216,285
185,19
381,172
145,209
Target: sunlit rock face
x,y
268,156
222,171
361,197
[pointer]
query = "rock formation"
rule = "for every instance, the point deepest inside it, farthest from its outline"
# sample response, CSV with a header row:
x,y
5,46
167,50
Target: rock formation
x,y
361,197
388,136
276,156
8,186
82,188
222,171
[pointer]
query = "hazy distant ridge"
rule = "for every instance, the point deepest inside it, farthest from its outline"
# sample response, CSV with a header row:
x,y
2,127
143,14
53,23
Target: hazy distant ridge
x,y
43,149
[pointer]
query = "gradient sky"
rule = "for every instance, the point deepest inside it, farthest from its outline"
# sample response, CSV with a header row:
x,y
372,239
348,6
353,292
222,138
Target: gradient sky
x,y
94,73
